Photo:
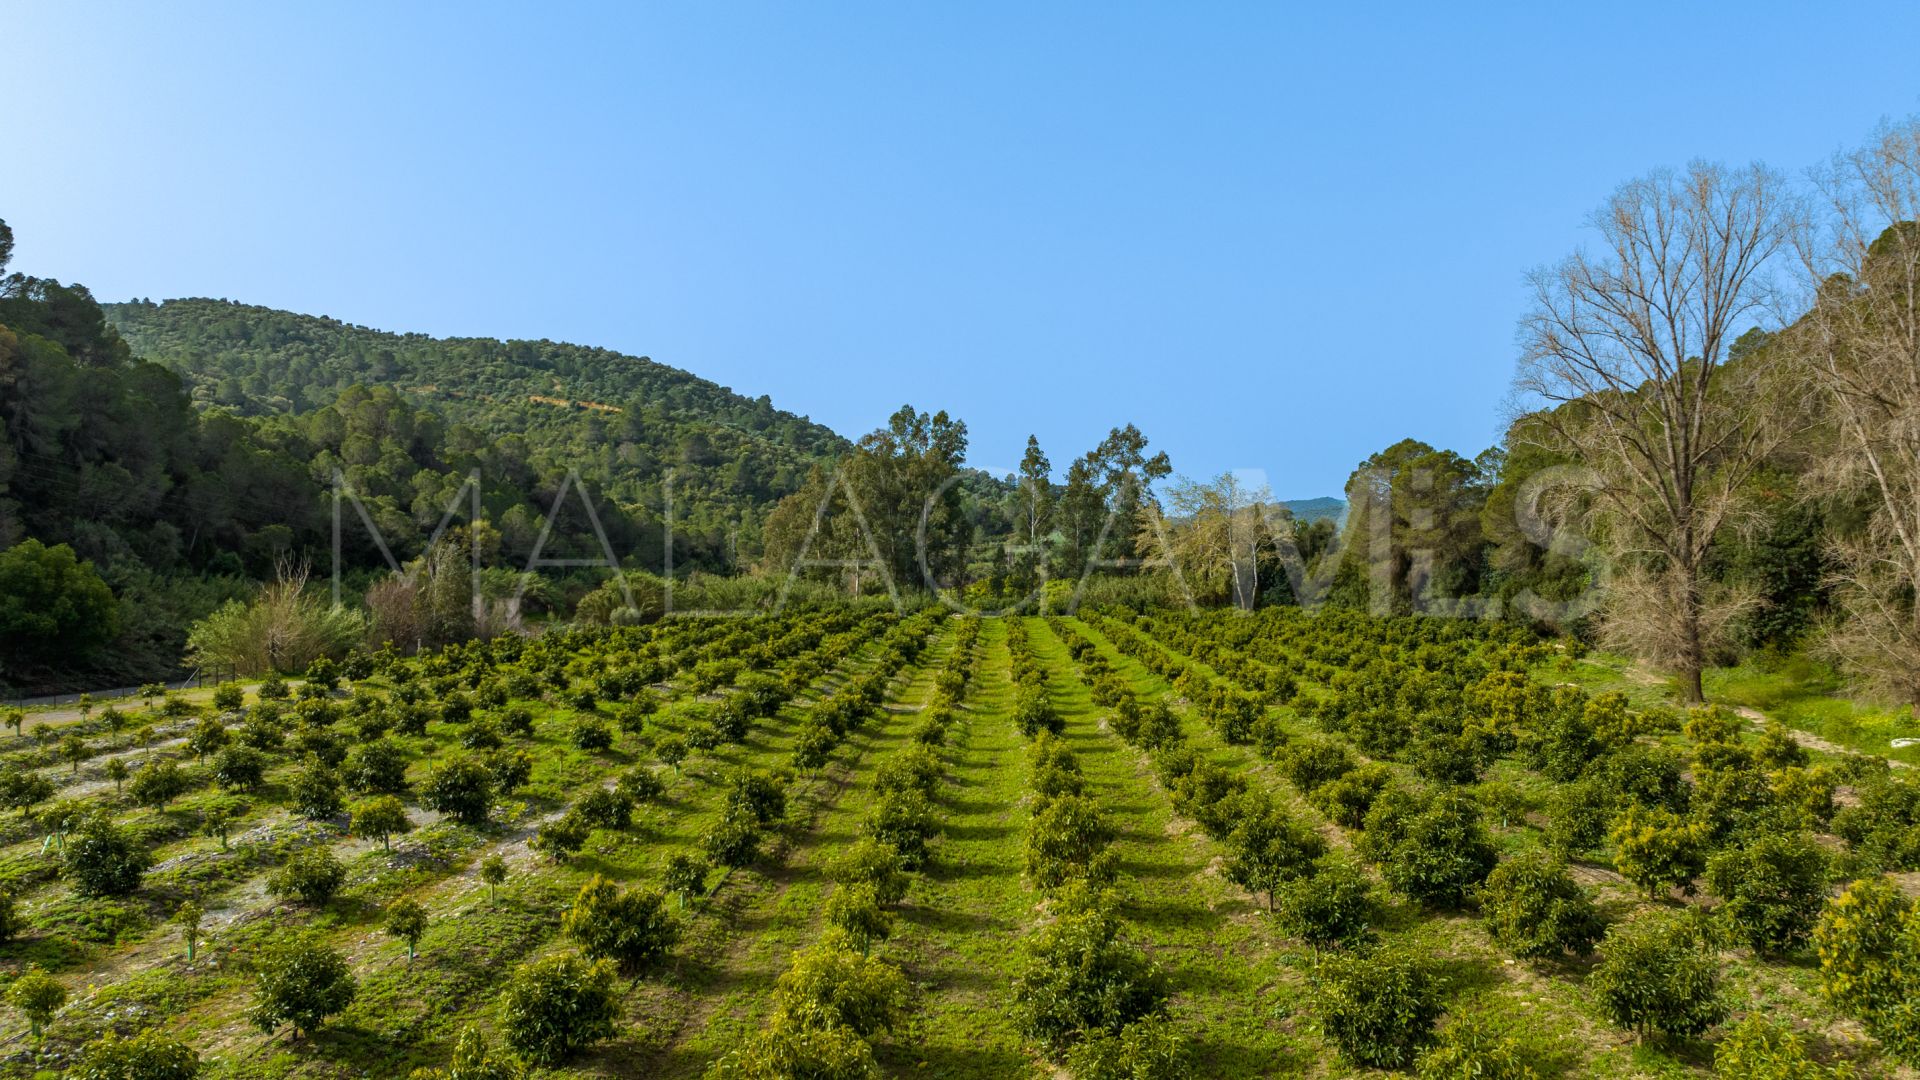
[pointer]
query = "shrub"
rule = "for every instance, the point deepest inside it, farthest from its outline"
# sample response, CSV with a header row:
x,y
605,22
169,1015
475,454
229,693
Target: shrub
x,y
735,839
406,920
310,875
38,996
1659,975
632,928
831,984
685,876
1270,847
855,910
1068,839
1757,1049
557,1005
509,769
1469,1049
376,766
1448,759
906,820
1868,941
1149,1049
1332,906
1309,763
591,733
1442,853
1774,887
207,737
460,787
240,768
1534,908
381,816
1885,827
316,791
1033,712
1346,800
563,837
606,808
100,858
475,1058
1658,849
300,981
1378,1007
148,1055
640,784
873,862
1079,978
157,783
1578,815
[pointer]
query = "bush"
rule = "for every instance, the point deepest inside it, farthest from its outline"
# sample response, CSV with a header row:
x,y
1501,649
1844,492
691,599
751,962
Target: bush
x,y
311,876
590,733
460,787
316,791
906,820
1578,815
873,862
1469,1049
735,839
1868,941
555,1006
1442,853
100,858
1346,800
377,766
1773,887
1080,979
1757,1049
300,981
1312,762
146,1056
157,783
475,1058
1534,908
606,808
1033,712
1068,839
1885,827
631,928
1270,847
1333,906
1378,1007
832,984
563,837
381,816
855,910
240,768
1659,975
38,996
1150,1049
1658,849
685,876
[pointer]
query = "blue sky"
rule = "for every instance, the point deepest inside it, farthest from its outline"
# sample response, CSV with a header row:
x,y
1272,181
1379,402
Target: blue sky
x,y
1276,238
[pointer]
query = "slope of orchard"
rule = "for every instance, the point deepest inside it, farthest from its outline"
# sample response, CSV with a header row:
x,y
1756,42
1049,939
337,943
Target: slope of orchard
x,y
1178,844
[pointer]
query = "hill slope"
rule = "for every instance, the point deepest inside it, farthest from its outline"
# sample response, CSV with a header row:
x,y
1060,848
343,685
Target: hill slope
x,y
623,421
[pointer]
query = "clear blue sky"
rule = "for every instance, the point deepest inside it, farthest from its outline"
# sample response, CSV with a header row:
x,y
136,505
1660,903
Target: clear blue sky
x,y
1274,237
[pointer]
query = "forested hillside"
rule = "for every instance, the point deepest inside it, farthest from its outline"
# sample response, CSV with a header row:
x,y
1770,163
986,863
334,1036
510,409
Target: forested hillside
x,y
623,421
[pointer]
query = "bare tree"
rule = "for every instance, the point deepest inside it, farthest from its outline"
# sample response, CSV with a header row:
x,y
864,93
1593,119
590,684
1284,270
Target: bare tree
x,y
1860,348
1215,536
1627,348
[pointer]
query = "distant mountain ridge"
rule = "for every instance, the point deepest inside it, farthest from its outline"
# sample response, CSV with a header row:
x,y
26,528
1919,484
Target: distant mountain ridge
x,y
1306,510
260,359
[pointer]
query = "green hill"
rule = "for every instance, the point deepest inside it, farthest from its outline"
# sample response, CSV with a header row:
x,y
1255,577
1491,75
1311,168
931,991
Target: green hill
x,y
623,421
